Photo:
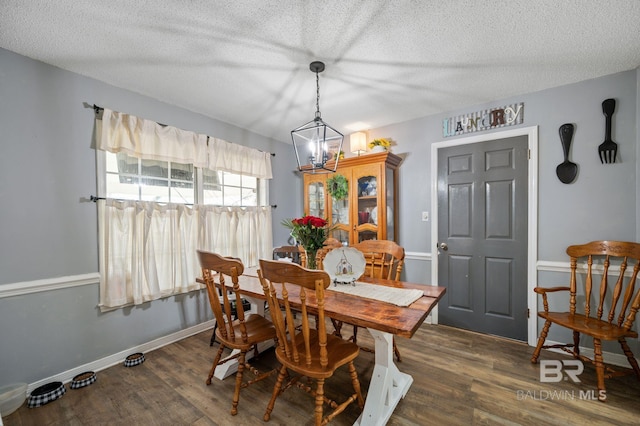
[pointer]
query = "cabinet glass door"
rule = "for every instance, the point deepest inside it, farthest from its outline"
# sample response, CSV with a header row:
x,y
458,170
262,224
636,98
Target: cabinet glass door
x,y
340,218
316,200
390,185
367,228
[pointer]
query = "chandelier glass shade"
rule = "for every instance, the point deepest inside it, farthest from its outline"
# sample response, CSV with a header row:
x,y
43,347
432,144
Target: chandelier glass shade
x,y
317,144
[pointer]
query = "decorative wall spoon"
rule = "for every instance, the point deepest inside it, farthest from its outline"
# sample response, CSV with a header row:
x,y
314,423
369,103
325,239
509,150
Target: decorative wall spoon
x,y
566,170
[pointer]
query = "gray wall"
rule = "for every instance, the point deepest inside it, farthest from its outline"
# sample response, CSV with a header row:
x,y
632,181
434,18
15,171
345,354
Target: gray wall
x,y
47,231
599,204
48,165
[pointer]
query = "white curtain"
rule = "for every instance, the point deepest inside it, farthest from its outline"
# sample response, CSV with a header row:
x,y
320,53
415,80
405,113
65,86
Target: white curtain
x,y
231,157
146,139
243,232
140,138
148,250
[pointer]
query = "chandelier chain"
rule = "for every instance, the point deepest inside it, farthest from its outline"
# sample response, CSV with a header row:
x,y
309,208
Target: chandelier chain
x,y
317,95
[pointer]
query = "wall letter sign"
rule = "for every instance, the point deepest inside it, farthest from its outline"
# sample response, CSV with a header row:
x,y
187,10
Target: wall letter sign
x,y
508,115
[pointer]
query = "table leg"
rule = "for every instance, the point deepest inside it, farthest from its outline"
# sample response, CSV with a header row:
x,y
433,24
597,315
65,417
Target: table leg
x,y
388,384
231,367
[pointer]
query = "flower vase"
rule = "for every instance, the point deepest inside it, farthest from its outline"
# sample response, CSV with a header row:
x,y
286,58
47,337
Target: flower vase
x,y
378,148
311,258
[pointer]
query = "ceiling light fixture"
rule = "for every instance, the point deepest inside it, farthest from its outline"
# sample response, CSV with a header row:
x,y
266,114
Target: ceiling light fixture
x,y
315,143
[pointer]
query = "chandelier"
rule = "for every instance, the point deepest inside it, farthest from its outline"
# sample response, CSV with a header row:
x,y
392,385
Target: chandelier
x,y
316,143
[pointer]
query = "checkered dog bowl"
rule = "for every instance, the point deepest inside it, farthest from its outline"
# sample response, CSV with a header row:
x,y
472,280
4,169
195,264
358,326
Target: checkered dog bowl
x,y
82,380
45,394
134,359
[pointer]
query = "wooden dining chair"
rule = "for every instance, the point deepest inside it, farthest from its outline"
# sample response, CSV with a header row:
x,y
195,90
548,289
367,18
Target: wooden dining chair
x,y
608,315
243,333
288,252
309,352
234,313
383,259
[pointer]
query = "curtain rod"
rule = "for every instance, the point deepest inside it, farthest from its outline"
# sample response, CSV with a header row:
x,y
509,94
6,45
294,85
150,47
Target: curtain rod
x,y
97,110
95,200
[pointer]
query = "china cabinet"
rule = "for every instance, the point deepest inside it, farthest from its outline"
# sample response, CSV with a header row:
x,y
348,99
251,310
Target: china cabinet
x,y
370,209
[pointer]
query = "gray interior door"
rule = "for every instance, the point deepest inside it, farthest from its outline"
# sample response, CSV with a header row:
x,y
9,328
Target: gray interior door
x,y
482,236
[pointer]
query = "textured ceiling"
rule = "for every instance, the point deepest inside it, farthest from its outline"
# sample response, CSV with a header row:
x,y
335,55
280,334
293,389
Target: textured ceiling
x,y
246,62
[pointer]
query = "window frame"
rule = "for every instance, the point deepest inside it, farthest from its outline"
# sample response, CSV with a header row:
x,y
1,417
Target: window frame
x,y
262,186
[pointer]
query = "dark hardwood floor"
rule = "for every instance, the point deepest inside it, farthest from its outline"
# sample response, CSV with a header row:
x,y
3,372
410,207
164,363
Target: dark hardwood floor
x,y
460,378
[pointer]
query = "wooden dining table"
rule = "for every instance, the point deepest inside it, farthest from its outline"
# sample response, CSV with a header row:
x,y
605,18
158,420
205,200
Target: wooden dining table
x,y
388,384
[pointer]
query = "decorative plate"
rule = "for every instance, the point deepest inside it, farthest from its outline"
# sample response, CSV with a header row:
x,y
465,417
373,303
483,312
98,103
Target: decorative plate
x,y
344,264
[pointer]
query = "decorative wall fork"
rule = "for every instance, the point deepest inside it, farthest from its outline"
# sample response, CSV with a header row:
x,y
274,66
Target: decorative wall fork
x,y
608,149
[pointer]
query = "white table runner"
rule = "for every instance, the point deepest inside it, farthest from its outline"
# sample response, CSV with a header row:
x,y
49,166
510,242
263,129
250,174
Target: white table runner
x,y
396,296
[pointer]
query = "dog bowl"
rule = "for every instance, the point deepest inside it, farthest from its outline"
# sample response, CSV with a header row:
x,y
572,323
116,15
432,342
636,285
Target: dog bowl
x,y
134,359
45,394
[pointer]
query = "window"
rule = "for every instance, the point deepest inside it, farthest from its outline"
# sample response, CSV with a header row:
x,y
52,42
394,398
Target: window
x,y
149,251
229,189
163,202
130,178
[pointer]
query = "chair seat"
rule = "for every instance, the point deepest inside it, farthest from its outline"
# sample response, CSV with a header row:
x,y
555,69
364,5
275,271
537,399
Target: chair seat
x,y
590,326
258,327
340,352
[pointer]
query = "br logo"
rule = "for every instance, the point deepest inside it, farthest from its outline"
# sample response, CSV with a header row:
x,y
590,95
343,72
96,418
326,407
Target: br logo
x,y
552,371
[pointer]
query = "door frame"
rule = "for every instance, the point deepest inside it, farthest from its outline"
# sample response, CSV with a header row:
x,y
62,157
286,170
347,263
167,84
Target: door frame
x,y
532,196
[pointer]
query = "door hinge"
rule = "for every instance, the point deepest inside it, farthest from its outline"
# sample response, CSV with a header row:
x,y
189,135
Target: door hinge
x,y
528,312
529,154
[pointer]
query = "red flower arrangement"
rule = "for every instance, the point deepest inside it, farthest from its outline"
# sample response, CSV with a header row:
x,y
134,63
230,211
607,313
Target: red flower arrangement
x,y
311,232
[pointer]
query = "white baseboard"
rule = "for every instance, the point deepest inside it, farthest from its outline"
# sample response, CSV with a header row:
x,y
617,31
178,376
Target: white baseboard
x,y
118,358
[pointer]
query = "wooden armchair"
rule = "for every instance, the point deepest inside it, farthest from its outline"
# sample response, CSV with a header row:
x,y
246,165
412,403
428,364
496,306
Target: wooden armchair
x,y
243,333
615,308
309,352
384,259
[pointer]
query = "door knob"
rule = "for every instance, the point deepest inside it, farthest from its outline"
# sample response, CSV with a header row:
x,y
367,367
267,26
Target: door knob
x,y
444,246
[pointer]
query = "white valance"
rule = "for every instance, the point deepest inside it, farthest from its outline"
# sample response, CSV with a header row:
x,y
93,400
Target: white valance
x,y
234,158
146,139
